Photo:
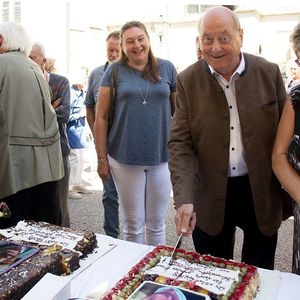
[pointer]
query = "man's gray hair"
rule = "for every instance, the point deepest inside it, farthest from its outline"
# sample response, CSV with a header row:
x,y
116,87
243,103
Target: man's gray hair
x,y
40,47
15,38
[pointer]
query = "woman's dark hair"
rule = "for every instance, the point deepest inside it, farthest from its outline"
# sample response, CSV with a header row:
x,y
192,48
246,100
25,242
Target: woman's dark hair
x,y
151,71
295,37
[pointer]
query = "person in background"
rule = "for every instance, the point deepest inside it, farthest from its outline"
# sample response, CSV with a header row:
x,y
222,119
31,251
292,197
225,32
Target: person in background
x,y
31,160
135,151
110,200
77,135
50,65
286,152
227,111
293,74
198,50
60,95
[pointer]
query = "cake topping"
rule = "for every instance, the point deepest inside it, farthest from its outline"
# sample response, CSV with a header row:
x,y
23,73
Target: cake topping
x,y
4,210
42,235
213,279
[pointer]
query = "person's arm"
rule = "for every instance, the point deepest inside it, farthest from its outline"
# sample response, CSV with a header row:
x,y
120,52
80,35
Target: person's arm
x,y
63,109
100,131
285,173
173,88
90,116
182,165
172,101
91,98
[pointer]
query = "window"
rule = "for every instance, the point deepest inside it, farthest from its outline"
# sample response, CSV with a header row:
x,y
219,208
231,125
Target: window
x,y
192,9
5,11
17,11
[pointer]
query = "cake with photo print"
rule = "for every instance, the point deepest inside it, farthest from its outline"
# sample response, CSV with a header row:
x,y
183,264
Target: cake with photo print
x,y
217,278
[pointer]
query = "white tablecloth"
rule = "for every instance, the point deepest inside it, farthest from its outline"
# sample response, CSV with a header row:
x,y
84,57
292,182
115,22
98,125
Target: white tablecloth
x,y
105,271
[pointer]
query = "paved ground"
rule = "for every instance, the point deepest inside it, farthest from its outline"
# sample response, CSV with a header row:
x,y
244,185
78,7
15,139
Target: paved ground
x,y
87,213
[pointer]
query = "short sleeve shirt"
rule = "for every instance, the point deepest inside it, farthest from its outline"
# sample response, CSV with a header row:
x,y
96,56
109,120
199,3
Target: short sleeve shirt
x,y
139,132
93,86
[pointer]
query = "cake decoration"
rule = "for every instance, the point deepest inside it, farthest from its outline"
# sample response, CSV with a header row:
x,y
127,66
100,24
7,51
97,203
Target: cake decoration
x,y
211,278
60,251
4,210
39,234
218,278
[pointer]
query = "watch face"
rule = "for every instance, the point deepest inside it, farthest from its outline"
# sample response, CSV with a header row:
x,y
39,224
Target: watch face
x,y
154,291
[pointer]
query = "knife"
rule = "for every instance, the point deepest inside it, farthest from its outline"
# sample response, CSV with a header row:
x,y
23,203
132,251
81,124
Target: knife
x,y
177,245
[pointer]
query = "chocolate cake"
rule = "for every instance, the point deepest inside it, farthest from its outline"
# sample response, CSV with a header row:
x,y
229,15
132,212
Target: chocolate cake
x,y
41,233
218,278
15,283
60,251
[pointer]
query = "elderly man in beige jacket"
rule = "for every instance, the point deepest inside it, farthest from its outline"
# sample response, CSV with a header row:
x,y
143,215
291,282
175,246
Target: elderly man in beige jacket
x,y
31,161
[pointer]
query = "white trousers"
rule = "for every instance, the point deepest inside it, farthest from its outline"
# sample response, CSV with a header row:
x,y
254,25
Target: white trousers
x,y
144,193
76,158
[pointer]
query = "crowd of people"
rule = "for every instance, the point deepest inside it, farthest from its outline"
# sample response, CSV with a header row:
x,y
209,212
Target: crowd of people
x,y
223,134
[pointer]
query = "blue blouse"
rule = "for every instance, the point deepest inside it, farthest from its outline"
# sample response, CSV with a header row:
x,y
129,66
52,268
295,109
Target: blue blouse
x,y
139,132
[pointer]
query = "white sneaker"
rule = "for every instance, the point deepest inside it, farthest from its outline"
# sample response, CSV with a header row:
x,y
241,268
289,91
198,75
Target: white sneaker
x,y
81,189
74,195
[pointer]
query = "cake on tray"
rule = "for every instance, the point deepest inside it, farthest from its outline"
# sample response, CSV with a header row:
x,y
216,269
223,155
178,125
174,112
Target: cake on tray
x,y
19,279
46,234
217,278
59,250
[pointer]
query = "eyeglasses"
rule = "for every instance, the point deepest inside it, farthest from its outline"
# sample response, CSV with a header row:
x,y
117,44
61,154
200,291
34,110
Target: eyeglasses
x,y
297,61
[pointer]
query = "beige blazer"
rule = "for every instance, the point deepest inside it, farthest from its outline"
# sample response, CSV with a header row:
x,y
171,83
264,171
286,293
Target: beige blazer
x,y
199,141
29,143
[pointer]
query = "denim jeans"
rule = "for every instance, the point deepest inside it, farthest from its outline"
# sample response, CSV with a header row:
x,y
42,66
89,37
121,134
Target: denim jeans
x,y
111,208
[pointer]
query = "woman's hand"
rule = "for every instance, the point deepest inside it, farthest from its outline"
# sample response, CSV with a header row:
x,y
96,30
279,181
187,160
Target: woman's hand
x,y
103,169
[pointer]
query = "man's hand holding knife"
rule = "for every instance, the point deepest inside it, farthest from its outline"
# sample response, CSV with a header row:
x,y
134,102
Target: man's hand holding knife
x,y
185,219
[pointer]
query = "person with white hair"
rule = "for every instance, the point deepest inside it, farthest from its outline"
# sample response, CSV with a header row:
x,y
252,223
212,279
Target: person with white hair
x,y
293,74
228,106
31,162
60,99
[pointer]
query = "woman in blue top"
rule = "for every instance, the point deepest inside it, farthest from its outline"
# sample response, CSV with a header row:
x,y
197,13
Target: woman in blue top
x,y
135,151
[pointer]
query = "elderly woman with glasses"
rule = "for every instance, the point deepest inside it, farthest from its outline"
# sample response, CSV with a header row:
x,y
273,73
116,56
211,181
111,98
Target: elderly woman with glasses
x,y
286,152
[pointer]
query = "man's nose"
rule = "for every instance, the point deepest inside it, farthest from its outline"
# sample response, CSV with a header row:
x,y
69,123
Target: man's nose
x,y
216,45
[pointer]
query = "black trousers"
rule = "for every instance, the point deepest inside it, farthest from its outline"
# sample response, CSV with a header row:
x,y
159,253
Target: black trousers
x,y
38,203
258,249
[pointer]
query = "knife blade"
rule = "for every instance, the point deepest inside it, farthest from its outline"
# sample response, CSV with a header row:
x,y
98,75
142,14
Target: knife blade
x,y
177,245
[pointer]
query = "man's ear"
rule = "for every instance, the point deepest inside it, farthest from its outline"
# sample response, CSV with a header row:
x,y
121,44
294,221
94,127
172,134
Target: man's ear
x,y
1,42
241,32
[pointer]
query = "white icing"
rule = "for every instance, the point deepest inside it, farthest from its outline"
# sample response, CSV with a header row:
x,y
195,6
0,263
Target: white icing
x,y
35,233
213,279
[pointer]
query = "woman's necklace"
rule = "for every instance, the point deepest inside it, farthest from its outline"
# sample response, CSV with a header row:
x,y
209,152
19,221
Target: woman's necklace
x,y
144,98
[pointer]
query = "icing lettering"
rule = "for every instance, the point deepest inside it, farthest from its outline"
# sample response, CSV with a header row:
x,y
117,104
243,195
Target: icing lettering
x,y
214,279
